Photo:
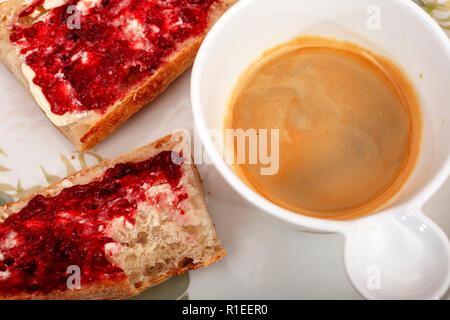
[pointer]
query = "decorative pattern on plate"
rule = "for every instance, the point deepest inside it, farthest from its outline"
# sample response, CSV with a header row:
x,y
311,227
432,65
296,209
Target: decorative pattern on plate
x,y
439,10
11,193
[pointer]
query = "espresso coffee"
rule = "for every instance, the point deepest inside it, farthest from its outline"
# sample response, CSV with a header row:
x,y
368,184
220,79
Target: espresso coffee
x,y
349,126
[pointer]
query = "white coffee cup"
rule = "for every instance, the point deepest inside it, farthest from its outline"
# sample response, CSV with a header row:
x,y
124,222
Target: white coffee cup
x,y
397,252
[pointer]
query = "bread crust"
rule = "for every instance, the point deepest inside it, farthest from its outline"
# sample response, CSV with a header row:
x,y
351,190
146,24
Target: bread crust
x,y
88,132
138,98
110,289
118,288
103,290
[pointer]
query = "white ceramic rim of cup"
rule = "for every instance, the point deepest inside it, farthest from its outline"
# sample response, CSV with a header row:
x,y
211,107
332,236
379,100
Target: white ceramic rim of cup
x,y
299,220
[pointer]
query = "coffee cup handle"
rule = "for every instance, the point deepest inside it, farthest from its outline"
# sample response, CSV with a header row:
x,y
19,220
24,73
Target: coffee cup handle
x,y
398,255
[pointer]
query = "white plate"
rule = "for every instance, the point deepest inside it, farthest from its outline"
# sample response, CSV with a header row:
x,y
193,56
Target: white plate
x,y
264,261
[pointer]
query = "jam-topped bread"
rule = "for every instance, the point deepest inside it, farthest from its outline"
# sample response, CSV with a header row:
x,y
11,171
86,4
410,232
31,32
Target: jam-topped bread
x,y
91,64
123,225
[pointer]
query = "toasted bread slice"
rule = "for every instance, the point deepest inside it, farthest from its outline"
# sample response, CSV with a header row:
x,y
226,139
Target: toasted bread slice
x,y
87,128
126,223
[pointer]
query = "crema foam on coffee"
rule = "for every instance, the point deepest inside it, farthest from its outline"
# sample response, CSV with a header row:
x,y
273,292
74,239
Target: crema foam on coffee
x,y
349,126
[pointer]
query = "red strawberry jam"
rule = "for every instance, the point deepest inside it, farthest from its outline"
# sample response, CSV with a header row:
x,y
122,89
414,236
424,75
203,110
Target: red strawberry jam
x,y
41,241
92,63
30,9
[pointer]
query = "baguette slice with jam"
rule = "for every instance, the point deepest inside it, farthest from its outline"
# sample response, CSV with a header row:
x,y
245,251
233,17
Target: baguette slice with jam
x,y
91,64
120,227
